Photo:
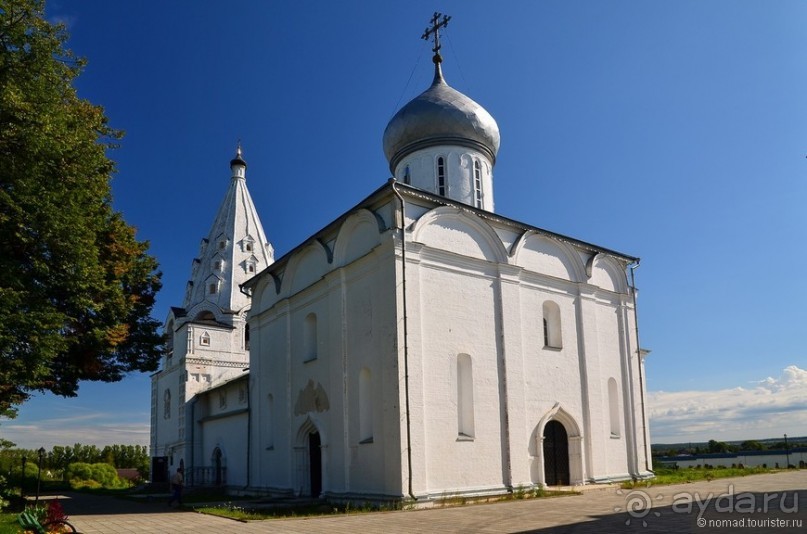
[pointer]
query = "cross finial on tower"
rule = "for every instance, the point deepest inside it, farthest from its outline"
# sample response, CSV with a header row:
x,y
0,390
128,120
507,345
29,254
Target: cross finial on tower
x,y
434,30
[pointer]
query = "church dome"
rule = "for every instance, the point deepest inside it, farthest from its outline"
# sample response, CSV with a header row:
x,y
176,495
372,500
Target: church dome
x,y
441,115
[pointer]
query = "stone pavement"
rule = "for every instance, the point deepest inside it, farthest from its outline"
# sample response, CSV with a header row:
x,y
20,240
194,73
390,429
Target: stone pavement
x,y
758,503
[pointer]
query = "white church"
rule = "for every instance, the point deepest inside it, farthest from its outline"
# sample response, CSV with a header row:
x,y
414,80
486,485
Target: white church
x,y
421,345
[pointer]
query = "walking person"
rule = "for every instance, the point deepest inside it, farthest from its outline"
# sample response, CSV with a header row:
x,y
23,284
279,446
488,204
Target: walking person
x,y
177,481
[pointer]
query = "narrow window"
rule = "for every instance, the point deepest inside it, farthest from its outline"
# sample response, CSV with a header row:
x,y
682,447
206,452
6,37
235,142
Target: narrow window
x,y
167,404
407,177
249,247
465,397
441,176
477,184
270,422
613,407
310,337
365,407
246,336
214,287
552,331
222,244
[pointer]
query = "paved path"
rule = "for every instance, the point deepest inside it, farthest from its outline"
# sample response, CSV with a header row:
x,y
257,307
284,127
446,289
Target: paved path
x,y
773,497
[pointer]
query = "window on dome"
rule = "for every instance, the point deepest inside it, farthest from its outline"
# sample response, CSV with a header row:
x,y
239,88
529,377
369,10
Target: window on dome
x,y
407,177
477,184
441,176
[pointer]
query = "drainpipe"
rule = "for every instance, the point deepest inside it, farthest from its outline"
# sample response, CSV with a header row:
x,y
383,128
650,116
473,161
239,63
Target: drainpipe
x,y
633,267
190,429
249,430
406,339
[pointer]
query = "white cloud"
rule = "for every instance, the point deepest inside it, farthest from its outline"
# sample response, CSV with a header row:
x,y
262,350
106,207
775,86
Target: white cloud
x,y
770,408
88,429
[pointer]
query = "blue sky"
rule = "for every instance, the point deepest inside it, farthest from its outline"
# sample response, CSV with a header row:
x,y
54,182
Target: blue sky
x,y
673,131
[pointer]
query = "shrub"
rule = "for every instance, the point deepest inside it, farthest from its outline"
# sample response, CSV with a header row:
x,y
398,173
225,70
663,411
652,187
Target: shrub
x,y
82,475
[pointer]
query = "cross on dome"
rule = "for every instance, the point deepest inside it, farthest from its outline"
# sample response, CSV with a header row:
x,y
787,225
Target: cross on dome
x,y
434,31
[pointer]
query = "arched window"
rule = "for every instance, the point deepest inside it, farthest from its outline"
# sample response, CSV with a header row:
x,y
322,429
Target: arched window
x,y
310,337
167,404
441,176
477,184
246,336
365,407
552,331
270,422
205,316
613,407
465,397
407,176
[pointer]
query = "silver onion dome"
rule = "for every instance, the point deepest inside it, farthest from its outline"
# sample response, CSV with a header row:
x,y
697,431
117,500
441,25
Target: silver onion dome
x,y
440,115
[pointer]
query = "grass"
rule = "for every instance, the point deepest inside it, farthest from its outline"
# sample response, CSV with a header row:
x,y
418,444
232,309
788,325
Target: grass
x,y
244,513
8,523
665,476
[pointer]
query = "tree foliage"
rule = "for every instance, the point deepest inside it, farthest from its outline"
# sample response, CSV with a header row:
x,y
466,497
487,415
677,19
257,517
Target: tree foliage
x,y
77,287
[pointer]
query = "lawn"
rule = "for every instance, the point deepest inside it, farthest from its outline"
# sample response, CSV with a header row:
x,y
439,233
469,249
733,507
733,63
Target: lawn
x,y
8,523
665,476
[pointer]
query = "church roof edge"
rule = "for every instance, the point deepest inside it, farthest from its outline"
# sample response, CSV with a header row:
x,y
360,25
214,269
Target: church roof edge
x,y
387,190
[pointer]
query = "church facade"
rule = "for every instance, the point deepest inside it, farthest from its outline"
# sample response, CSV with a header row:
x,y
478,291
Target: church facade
x,y
419,346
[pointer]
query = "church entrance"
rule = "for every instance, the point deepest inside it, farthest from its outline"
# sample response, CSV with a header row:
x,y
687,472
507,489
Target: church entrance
x,y
315,463
556,454
217,467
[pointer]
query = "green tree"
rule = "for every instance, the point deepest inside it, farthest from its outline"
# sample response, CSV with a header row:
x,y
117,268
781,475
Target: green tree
x,y
751,445
77,287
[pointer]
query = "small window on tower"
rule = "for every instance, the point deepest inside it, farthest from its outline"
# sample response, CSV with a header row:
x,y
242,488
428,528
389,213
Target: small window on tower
x,y
477,184
214,288
205,340
249,247
250,268
222,245
407,177
441,176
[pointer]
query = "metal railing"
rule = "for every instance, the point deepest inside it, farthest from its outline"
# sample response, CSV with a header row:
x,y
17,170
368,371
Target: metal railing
x,y
206,476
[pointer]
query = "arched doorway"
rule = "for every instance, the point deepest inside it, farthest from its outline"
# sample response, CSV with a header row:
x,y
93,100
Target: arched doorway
x,y
217,466
315,463
556,454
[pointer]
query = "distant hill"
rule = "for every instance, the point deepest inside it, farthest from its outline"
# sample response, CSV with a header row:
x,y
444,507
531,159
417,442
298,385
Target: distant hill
x,y
703,446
